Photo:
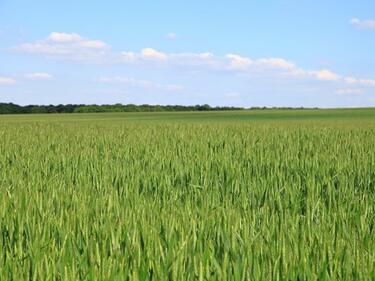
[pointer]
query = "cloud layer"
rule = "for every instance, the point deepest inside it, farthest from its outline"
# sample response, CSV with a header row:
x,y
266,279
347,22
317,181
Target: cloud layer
x,y
69,46
74,47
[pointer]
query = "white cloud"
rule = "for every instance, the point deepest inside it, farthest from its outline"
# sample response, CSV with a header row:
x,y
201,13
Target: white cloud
x,y
237,62
325,75
145,54
62,37
150,53
39,76
7,81
363,24
277,63
145,84
69,46
193,59
348,91
360,81
267,67
152,56
93,44
73,47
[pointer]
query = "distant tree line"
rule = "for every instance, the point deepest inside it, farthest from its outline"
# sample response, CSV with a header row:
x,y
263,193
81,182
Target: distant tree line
x,y
10,108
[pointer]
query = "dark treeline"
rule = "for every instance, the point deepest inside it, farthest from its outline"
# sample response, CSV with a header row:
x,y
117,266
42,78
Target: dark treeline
x,y
10,108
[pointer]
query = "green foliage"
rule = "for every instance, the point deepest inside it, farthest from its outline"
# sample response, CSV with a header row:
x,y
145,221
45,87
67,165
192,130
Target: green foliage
x,y
10,108
245,196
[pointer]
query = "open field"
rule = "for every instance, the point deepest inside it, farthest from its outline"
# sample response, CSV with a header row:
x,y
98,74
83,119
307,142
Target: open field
x,y
194,116
247,195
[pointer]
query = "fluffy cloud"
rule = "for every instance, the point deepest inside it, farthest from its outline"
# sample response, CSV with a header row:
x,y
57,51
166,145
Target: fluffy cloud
x,y
70,46
149,53
7,81
207,60
237,62
145,84
363,24
39,76
73,47
326,75
62,37
277,63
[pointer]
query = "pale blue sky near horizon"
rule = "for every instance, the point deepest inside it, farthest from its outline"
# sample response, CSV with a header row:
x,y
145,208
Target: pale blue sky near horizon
x,y
236,53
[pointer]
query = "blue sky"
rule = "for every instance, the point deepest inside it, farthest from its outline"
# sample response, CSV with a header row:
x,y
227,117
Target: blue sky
x,y
240,53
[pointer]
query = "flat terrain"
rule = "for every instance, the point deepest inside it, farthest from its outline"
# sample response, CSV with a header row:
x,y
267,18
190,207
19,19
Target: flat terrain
x,y
215,116
242,195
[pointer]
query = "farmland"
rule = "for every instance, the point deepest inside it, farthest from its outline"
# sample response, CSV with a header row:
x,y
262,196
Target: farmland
x,y
247,195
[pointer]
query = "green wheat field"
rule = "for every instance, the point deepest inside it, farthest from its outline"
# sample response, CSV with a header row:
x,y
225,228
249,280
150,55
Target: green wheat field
x,y
245,195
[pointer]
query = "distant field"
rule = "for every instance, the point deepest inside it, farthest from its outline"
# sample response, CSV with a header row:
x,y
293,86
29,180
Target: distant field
x,y
219,116
241,195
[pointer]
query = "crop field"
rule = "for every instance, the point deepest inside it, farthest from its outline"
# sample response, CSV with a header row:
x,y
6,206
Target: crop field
x,y
247,195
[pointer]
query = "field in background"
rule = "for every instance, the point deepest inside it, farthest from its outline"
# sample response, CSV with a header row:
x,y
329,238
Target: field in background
x,y
245,195
205,116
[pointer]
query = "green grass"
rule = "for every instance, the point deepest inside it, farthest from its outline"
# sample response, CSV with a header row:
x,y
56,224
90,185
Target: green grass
x,y
250,195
